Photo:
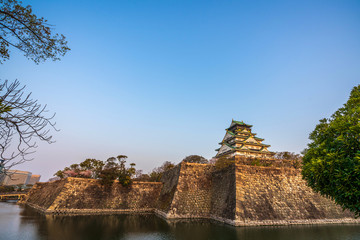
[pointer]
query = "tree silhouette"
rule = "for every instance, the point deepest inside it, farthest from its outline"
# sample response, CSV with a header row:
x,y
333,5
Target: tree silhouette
x,y
20,28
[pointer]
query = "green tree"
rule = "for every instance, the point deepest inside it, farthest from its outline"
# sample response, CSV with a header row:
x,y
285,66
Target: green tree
x,y
287,155
108,171
20,28
124,174
296,159
59,174
331,162
195,159
93,165
6,189
224,162
107,176
156,174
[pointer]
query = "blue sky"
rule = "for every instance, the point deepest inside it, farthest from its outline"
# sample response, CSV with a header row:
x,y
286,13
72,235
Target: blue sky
x,y
160,80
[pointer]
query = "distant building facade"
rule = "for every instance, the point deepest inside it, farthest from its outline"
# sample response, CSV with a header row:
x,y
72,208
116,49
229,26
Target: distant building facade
x,y
16,177
2,175
34,179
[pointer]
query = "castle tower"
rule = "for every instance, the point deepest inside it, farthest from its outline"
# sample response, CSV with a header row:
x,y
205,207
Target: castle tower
x,y
240,141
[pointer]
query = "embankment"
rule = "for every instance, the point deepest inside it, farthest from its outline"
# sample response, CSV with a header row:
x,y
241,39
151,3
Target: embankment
x,y
242,194
79,195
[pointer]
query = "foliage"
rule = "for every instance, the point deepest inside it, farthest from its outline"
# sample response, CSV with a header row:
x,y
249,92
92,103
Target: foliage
x,y
22,29
125,174
108,175
287,156
60,174
331,164
167,165
156,174
23,121
6,189
19,187
93,165
260,162
140,176
296,159
108,171
223,162
195,159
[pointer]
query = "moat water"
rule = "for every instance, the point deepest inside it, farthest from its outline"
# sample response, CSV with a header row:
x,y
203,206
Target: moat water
x,y
23,223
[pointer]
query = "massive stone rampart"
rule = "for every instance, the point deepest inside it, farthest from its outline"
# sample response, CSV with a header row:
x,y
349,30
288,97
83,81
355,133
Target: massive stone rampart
x,y
42,195
186,192
271,195
223,194
79,195
170,180
244,193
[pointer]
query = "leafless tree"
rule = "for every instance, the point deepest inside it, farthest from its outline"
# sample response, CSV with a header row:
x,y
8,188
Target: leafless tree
x,y
22,121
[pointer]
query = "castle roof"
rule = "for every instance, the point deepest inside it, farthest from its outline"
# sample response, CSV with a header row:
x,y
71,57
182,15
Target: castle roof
x,y
240,123
240,140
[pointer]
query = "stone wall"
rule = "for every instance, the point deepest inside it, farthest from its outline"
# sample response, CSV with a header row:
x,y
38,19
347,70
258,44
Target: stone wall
x,y
79,195
186,191
170,180
223,194
241,194
269,195
268,162
193,196
42,195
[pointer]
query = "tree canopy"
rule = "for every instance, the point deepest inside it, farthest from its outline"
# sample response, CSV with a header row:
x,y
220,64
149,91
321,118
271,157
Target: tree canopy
x,y
20,28
106,171
331,162
223,162
195,159
287,156
156,174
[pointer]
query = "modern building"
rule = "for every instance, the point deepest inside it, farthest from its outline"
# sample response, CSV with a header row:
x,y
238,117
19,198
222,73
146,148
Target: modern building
x,y
240,141
34,179
16,177
2,175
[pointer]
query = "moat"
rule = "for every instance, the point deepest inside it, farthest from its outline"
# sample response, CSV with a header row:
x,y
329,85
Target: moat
x,y
21,222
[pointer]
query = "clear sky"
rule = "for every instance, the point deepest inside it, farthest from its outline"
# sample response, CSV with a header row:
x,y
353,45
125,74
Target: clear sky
x,y
160,80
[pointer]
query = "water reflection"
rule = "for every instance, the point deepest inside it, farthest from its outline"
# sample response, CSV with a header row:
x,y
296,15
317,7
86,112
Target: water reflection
x,y
25,223
94,227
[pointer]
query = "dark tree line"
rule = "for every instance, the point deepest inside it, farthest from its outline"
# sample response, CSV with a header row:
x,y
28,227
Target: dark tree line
x,y
106,171
115,169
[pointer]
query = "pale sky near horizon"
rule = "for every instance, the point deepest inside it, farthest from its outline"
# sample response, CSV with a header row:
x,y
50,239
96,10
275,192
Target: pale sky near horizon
x,y
161,80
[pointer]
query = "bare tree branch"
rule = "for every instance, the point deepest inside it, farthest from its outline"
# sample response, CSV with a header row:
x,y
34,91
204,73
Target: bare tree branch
x,y
22,121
